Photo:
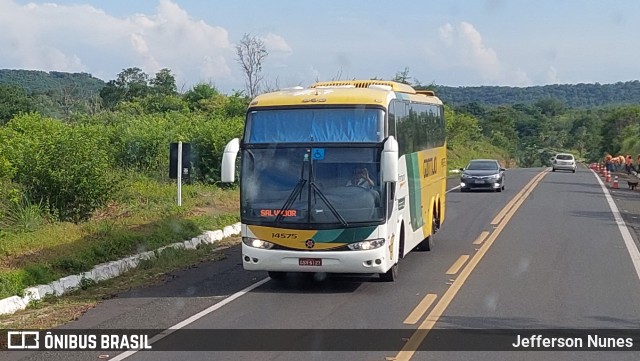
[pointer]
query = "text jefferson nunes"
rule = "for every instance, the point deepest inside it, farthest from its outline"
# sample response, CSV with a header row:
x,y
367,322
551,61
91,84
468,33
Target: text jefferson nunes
x,y
593,341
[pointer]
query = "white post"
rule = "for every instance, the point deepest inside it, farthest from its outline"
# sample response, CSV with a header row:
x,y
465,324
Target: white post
x,y
179,174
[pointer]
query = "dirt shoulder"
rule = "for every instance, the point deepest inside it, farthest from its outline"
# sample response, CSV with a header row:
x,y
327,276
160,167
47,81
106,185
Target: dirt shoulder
x,y
627,200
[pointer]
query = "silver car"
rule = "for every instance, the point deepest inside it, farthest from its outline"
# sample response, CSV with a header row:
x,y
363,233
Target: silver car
x,y
564,161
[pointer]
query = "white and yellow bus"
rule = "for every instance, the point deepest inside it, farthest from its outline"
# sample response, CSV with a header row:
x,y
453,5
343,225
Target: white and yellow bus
x,y
303,207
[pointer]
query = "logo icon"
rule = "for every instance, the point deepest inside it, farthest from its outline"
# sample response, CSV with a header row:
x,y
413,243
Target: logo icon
x,y
309,243
23,340
317,153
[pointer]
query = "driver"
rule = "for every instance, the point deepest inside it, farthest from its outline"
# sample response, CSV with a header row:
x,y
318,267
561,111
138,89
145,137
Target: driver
x,y
360,178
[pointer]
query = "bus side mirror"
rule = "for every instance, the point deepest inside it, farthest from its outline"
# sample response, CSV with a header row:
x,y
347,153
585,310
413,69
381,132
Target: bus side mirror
x,y
228,171
390,160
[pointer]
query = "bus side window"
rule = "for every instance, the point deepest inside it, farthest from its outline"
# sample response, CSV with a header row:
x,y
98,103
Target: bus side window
x,y
391,122
403,130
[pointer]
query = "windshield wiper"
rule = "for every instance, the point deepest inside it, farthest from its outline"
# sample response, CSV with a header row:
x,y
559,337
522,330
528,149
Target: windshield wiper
x,y
329,205
317,191
292,198
297,191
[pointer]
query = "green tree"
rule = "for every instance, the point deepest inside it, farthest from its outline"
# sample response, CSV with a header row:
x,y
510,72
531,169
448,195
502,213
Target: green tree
x,y
614,124
164,83
198,93
159,103
499,126
237,105
13,100
550,106
111,95
474,108
131,83
461,128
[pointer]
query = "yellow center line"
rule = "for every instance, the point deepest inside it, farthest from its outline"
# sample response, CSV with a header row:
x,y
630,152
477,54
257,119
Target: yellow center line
x,y
458,264
421,333
509,205
420,309
481,237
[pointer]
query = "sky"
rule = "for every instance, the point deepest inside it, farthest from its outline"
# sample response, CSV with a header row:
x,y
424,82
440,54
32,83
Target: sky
x,y
453,43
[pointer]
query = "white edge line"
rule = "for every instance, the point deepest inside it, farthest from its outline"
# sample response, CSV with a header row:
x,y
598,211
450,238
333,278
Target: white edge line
x,y
453,189
632,248
193,318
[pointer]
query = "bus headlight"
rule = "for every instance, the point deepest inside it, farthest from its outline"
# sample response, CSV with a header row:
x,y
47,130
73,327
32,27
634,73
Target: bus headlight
x,y
366,245
257,243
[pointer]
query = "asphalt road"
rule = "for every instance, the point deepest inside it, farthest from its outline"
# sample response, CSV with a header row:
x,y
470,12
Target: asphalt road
x,y
548,254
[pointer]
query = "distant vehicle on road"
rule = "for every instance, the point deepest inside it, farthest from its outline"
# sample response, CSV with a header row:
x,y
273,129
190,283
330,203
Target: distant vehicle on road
x,y
564,161
482,174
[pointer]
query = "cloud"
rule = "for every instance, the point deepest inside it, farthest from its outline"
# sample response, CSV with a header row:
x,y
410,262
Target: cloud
x,y
552,75
83,38
466,44
276,44
461,47
279,54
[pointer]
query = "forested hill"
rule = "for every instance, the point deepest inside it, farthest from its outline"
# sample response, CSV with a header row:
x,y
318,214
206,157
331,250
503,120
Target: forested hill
x,y
572,95
42,82
84,86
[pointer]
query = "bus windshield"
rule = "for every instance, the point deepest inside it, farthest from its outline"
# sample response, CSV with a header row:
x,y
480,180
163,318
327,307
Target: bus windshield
x,y
321,186
315,125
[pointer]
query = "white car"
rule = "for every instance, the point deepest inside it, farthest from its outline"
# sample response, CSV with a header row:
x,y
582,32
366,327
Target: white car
x,y
564,161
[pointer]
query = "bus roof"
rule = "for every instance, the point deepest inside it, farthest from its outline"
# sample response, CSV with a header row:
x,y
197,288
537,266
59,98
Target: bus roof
x,y
350,92
395,86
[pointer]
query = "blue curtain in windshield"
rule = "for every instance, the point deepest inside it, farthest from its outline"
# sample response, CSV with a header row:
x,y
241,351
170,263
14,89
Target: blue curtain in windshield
x,y
314,125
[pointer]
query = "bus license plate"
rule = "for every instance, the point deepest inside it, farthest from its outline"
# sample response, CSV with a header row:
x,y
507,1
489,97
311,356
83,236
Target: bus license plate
x,y
310,261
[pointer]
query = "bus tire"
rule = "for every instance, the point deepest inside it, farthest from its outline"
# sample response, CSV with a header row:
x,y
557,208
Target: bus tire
x,y
428,243
277,275
391,275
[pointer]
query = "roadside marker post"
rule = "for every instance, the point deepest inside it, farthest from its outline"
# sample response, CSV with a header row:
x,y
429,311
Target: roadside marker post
x,y
180,165
179,174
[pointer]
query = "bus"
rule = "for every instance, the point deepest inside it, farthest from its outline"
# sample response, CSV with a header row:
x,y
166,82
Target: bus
x,y
340,177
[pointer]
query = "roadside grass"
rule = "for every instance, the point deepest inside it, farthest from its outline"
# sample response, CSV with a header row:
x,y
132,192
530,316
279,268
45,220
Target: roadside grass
x,y
462,154
55,311
143,216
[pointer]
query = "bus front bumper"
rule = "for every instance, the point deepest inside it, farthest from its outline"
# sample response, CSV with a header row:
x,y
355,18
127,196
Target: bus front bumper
x,y
370,261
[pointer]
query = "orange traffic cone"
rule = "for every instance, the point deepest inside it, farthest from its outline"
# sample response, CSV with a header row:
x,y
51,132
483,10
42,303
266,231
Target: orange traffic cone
x,y
608,177
615,182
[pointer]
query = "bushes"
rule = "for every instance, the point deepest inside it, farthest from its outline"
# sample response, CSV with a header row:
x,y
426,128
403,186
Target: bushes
x,y
209,137
69,170
63,167
142,143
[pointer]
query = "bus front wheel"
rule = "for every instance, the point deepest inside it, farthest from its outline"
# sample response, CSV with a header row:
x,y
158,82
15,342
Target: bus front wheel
x,y
391,275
